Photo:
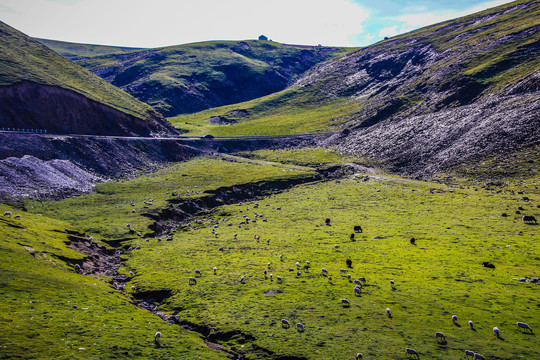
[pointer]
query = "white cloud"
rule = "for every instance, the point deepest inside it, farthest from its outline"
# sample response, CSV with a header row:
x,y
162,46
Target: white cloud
x,y
389,31
155,23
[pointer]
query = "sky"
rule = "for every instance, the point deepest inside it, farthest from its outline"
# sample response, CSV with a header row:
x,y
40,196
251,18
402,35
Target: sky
x,y
157,23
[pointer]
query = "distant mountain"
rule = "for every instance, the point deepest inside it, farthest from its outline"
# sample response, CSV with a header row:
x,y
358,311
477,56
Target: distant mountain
x,y
75,51
189,78
40,89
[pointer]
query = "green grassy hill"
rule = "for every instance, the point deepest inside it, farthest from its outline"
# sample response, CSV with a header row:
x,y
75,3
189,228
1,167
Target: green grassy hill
x,y
24,61
444,66
193,77
74,51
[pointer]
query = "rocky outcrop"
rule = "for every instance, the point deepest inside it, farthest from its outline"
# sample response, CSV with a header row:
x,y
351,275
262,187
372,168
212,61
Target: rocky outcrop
x,y
28,105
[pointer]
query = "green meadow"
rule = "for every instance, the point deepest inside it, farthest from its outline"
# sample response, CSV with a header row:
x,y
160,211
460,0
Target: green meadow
x,y
456,227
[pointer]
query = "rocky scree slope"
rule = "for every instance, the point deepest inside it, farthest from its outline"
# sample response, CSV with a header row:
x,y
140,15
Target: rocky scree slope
x,y
40,89
193,77
426,100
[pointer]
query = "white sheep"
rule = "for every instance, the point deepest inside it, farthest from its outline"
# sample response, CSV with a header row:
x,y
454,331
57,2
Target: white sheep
x,y
412,352
521,325
280,257
131,273
298,273
215,270
359,356
342,271
480,357
336,247
324,271
496,331
361,278
285,323
329,279
454,318
345,302
471,324
243,279
192,280
349,276
269,265
198,272
300,327
388,313
157,336
297,265
7,213
357,282
469,353
17,217
357,290
440,335
271,277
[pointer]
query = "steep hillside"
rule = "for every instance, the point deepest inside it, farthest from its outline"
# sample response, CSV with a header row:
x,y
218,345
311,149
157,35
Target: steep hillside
x,y
409,99
75,51
193,77
41,89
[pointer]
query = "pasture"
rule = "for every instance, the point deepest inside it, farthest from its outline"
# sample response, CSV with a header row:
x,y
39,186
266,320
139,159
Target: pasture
x,y
456,228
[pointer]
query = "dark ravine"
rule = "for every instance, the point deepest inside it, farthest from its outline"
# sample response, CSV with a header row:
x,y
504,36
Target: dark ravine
x,y
181,210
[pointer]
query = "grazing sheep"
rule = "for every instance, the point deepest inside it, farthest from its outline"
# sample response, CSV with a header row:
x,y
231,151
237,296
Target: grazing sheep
x,y
17,217
280,257
327,221
290,269
471,324
351,236
77,268
413,240
388,313
329,279
157,336
359,356
336,247
271,277
412,352
133,288
440,336
298,273
192,280
361,278
285,323
480,357
454,319
528,219
308,264
349,276
357,290
342,271
243,279
221,248
392,283
131,273
215,270
324,271
357,283
279,279
297,265
198,272
269,265
345,302
496,331
357,228
349,263
300,327
7,213
469,353
521,325
268,241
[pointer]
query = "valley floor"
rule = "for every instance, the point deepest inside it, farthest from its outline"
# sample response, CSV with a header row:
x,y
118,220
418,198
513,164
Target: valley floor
x,y
273,221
